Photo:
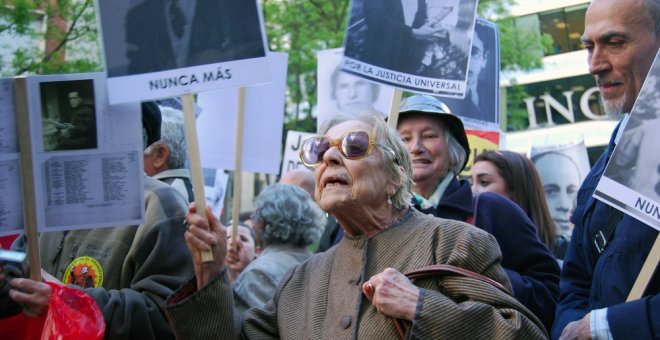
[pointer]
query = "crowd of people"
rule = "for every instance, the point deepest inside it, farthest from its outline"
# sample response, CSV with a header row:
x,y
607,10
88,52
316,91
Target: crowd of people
x,y
411,249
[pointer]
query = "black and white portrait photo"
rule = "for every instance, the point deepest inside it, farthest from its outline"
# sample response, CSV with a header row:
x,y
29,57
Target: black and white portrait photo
x,y
561,168
635,162
481,102
156,35
68,115
424,39
158,49
341,92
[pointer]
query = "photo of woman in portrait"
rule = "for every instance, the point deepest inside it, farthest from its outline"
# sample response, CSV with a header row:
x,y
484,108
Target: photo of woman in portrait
x,y
341,92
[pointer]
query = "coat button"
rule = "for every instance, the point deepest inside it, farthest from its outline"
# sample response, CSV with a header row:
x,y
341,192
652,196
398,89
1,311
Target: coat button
x,y
346,321
356,279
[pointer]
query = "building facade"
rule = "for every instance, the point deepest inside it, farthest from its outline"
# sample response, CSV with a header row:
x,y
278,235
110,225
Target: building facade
x,y
559,102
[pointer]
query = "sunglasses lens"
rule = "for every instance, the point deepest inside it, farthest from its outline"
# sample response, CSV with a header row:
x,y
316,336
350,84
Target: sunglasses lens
x,y
313,150
355,144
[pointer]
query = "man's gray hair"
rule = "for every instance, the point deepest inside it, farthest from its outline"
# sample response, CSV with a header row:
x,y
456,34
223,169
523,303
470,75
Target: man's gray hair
x,y
401,173
173,135
290,215
652,16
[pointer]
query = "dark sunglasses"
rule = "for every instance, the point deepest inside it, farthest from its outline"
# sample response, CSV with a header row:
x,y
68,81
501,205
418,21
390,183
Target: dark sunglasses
x,y
352,145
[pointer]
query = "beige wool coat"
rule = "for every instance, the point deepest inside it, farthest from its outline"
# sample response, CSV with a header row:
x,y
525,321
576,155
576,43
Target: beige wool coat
x,y
323,299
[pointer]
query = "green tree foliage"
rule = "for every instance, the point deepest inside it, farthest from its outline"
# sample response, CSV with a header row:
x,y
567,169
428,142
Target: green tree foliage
x,y
302,28
65,26
521,49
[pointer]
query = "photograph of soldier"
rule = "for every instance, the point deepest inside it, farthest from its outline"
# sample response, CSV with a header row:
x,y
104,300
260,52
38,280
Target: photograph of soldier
x,y
68,116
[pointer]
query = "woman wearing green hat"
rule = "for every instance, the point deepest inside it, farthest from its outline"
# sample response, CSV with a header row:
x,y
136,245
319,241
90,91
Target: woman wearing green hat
x,y
439,149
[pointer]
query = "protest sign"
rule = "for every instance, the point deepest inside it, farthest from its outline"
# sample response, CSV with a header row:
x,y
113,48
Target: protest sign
x,y
81,159
341,92
291,159
480,108
11,210
562,168
8,132
152,53
215,188
425,50
631,181
264,119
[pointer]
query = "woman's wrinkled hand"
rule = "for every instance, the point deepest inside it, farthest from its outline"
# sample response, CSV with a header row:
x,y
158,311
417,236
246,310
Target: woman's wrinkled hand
x,y
392,294
205,234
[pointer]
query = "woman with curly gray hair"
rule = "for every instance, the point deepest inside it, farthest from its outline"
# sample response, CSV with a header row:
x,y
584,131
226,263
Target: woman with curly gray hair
x,y
288,220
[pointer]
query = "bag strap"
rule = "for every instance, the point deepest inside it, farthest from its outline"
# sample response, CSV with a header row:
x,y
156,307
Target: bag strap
x,y
604,235
440,271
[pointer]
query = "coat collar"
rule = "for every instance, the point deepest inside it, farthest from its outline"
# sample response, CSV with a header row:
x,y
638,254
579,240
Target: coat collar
x,y
456,202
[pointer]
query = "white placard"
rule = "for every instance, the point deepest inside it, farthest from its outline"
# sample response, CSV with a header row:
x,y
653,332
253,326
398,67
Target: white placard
x,y
291,158
11,206
8,132
88,190
153,51
425,50
87,155
216,191
631,181
264,119
341,92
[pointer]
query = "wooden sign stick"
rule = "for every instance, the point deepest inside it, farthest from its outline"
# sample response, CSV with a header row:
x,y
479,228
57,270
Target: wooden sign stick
x,y
644,277
238,161
27,178
195,163
393,117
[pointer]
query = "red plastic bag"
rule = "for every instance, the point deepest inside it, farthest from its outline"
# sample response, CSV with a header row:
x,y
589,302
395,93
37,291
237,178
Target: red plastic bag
x,y
19,327
72,314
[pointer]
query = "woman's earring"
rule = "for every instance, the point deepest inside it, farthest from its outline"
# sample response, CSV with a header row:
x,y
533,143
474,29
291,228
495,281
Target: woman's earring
x,y
389,200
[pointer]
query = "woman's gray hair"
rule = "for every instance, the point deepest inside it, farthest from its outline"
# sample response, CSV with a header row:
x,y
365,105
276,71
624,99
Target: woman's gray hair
x,y
398,168
455,151
290,215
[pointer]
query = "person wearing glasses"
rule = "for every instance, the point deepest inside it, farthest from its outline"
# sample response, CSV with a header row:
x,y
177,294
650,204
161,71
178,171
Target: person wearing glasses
x,y
439,149
363,178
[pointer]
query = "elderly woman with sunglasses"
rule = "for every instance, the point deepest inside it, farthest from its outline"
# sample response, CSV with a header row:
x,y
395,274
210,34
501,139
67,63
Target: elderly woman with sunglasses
x,y
439,149
355,289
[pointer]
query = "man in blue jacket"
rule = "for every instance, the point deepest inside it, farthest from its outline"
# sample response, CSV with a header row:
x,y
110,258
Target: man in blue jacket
x,y
622,39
